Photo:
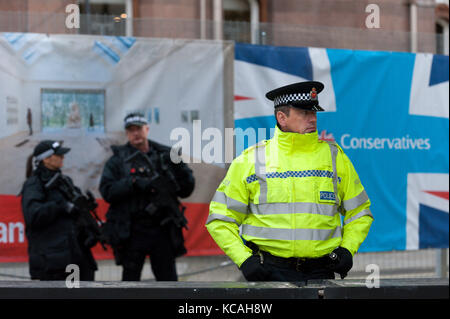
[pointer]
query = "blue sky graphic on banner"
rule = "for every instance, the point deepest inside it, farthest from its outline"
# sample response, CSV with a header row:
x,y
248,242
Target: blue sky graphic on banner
x,y
389,111
112,48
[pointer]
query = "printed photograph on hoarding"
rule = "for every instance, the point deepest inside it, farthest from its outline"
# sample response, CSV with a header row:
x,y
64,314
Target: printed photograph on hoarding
x,y
72,109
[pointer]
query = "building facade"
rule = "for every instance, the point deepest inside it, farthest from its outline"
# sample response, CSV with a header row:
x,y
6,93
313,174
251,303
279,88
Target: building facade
x,y
397,25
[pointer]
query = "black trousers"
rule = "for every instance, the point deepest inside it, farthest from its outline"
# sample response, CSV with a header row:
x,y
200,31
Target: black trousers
x,y
277,272
292,275
155,242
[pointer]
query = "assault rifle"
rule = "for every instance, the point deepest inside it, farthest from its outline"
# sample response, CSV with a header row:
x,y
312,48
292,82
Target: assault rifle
x,y
87,220
166,187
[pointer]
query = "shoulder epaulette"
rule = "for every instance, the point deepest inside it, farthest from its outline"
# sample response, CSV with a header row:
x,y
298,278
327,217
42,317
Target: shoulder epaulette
x,y
259,144
329,142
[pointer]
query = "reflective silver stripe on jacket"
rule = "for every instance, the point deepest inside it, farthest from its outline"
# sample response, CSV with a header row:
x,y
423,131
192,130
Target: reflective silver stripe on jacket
x,y
356,201
221,217
293,208
291,234
260,172
365,212
334,151
221,197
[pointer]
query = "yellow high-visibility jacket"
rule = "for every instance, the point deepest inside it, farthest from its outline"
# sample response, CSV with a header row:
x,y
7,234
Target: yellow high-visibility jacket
x,y
284,195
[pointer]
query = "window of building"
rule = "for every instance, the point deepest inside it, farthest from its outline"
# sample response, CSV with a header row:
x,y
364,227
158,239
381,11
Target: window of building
x,y
105,17
442,33
236,10
237,17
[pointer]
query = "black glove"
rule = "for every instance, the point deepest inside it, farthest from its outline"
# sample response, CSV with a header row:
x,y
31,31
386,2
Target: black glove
x,y
344,261
78,201
253,270
142,184
69,207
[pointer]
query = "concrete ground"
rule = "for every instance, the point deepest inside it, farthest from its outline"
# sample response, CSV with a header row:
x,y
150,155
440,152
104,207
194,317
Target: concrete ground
x,y
398,264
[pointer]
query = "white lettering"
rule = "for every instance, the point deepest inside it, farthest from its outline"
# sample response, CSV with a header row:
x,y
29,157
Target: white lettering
x,y
249,132
184,143
197,143
373,19
379,143
343,142
397,143
9,235
3,233
354,143
73,279
373,279
20,231
390,143
215,146
73,19
195,309
229,144
212,152
246,308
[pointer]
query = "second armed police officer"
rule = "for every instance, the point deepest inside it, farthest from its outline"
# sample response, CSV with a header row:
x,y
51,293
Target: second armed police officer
x,y
285,196
142,186
55,236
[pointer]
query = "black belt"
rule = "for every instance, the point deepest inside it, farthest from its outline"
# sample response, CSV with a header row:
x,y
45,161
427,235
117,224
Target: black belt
x,y
299,264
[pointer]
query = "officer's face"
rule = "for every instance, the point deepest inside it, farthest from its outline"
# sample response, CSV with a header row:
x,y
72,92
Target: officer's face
x,y
298,121
54,162
137,135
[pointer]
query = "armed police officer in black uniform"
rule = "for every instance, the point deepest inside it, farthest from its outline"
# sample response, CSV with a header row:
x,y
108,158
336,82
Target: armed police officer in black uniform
x,y
56,228
142,183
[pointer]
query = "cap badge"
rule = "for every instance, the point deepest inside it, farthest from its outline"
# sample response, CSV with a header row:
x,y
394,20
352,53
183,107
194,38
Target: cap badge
x,y
313,94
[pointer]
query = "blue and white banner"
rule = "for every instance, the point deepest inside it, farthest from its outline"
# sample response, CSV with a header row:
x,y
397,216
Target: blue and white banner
x,y
389,111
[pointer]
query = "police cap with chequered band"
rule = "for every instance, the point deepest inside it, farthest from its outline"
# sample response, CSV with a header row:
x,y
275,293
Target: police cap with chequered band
x,y
137,119
47,148
303,95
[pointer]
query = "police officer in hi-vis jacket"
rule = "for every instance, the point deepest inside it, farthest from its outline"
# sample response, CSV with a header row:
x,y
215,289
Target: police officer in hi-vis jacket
x,y
285,196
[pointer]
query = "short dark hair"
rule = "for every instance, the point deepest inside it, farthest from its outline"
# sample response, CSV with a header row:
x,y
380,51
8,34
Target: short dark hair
x,y
286,109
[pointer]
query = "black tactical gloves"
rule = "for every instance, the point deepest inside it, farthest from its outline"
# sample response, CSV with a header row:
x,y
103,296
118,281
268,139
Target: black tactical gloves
x,y
142,184
68,207
344,261
253,270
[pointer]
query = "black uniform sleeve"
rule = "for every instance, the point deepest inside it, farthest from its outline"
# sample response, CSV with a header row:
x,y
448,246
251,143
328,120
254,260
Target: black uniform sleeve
x,y
185,179
72,184
37,210
115,187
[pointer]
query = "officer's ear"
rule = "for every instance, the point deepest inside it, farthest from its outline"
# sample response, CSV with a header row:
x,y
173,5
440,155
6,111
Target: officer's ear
x,y
281,115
